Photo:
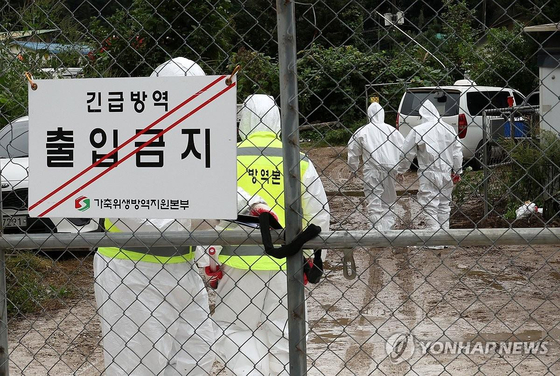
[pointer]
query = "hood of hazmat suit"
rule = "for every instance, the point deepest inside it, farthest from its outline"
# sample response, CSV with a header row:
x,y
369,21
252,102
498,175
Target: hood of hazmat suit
x,y
434,143
259,114
376,114
179,66
378,143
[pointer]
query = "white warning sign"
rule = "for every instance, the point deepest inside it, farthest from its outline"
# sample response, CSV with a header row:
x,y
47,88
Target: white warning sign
x,y
159,147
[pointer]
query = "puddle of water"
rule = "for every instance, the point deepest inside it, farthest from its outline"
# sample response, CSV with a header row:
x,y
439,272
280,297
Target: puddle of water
x,y
525,336
333,268
333,322
323,338
491,279
485,277
326,307
345,193
329,330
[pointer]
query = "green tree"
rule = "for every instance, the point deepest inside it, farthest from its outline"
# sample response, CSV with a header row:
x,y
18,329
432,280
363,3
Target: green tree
x,y
506,59
459,46
255,26
134,41
14,85
334,23
259,74
332,81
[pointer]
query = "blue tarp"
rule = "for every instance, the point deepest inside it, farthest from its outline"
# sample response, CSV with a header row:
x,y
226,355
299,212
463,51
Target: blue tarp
x,y
55,48
520,129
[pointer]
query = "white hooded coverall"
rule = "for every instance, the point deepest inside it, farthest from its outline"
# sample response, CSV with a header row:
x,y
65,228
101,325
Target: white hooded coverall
x,y
154,315
436,146
379,145
251,313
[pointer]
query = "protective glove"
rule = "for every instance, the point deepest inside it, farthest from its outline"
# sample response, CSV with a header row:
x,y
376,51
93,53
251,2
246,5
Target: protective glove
x,y
313,268
307,266
455,178
215,275
257,209
266,220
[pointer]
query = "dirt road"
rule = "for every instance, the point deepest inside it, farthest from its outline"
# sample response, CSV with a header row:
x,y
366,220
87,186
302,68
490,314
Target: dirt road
x,y
458,294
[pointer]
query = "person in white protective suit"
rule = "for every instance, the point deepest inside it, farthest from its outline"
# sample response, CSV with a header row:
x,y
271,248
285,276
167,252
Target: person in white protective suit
x,y
152,302
436,146
251,313
379,145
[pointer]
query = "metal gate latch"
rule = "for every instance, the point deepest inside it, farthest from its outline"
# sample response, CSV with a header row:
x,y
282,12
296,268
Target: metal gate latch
x,y
348,264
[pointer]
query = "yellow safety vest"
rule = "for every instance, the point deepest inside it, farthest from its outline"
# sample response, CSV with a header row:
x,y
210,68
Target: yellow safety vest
x,y
260,171
158,255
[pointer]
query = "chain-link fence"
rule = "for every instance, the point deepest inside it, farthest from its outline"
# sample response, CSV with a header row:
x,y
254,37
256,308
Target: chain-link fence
x,y
428,134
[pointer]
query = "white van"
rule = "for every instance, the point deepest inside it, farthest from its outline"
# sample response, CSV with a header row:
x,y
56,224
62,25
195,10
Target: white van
x,y
461,106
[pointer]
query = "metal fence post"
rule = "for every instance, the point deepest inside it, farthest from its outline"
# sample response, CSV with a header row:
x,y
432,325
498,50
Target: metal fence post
x,y
4,364
485,161
292,187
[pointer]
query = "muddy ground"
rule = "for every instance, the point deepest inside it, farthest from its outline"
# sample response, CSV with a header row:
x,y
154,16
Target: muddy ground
x,y
469,294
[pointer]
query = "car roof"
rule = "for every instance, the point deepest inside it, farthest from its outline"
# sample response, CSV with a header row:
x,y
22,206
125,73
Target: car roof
x,y
461,88
23,118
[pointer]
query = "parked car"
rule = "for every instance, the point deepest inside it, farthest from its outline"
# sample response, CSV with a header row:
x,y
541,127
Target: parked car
x,y
461,106
14,161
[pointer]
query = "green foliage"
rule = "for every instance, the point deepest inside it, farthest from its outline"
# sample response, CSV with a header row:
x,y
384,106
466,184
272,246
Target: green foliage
x,y
338,136
255,26
259,74
526,178
469,187
35,15
13,83
339,23
332,81
32,284
13,91
342,47
506,60
510,211
460,36
458,19
134,41
42,14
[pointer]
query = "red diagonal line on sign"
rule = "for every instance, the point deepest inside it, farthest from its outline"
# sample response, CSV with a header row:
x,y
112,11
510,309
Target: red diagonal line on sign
x,y
127,142
138,149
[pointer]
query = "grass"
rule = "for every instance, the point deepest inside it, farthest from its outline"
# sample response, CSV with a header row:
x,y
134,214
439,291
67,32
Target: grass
x,y
35,283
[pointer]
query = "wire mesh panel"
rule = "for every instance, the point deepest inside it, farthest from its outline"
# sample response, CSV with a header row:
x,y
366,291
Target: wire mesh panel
x,y
422,137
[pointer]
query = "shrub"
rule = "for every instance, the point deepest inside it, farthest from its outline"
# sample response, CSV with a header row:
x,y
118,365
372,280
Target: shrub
x,y
332,81
33,284
506,59
259,74
470,186
13,86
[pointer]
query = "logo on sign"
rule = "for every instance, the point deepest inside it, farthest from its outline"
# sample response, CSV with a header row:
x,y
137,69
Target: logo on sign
x,y
82,203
